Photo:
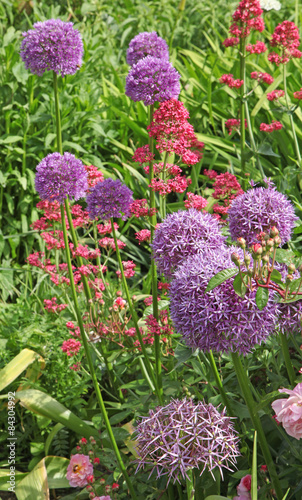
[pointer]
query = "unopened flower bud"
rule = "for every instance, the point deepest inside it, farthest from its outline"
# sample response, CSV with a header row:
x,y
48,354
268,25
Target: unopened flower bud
x,y
235,258
247,260
277,241
257,249
241,242
265,259
274,232
102,481
89,488
291,268
92,440
270,243
289,278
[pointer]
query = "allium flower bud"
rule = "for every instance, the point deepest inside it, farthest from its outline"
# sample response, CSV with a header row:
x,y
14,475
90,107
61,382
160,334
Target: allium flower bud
x,y
241,242
183,436
291,269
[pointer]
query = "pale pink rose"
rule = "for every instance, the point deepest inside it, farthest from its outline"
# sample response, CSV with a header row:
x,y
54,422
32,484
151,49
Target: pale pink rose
x,y
244,488
78,469
107,497
289,411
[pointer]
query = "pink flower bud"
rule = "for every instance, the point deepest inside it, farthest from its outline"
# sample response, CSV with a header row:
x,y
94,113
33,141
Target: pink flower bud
x,y
96,460
241,242
291,268
257,249
235,258
277,241
270,243
90,478
274,231
83,441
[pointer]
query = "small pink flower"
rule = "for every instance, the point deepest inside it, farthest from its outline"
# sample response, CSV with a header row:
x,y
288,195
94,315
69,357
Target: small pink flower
x,y
289,411
298,94
78,470
244,488
107,497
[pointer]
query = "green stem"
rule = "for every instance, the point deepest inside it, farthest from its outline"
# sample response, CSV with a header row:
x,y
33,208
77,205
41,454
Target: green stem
x,y
153,222
246,391
134,316
242,55
251,134
286,355
292,124
296,13
190,485
218,381
74,238
163,199
90,362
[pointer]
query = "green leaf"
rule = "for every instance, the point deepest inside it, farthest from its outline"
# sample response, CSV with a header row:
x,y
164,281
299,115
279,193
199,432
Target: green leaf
x,y
239,287
284,256
34,485
294,285
17,365
261,298
51,435
43,404
216,497
276,277
221,277
266,149
254,491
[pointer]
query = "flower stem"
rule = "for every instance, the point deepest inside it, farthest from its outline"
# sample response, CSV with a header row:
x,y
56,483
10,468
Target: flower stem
x,y
90,362
242,54
134,317
218,381
292,124
286,355
190,485
246,391
153,268
251,134
58,117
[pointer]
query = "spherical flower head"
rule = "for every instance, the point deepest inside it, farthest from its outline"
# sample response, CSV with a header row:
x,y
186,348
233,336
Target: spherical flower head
x,y
152,80
258,210
147,44
61,176
182,234
289,314
289,411
218,320
78,469
52,45
109,199
182,435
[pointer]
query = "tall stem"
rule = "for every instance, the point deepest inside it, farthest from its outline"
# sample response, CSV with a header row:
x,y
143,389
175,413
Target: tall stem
x,y
218,381
153,221
190,485
246,391
134,316
74,238
242,103
90,362
291,117
252,139
296,12
286,355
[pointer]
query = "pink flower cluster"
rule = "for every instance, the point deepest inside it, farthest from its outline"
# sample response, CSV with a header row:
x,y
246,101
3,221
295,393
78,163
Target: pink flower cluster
x,y
262,77
140,208
298,94
275,95
176,185
229,80
71,347
143,155
106,228
109,244
52,306
143,235
195,201
233,124
289,411
231,42
286,38
247,17
244,488
270,127
173,132
128,267
94,175
257,48
226,189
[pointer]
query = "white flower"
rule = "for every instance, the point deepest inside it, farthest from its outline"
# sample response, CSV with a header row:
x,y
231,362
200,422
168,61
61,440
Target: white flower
x,y
270,4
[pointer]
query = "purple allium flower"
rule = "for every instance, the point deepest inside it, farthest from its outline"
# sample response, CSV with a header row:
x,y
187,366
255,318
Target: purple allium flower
x,y
289,315
52,45
108,199
259,209
182,436
61,176
182,234
219,320
147,44
152,80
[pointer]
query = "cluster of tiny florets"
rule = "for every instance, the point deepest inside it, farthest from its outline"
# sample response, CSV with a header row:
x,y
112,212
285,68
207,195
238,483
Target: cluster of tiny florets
x,y
181,436
147,44
52,45
287,39
182,234
152,80
218,320
258,210
61,176
108,199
